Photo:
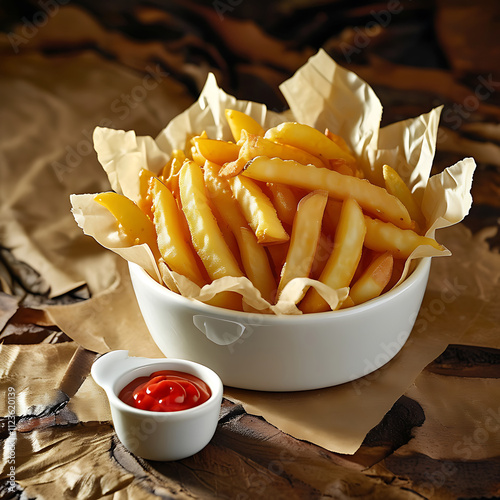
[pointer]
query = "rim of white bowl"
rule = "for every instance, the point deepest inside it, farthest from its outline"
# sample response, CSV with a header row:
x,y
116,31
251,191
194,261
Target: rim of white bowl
x,y
417,274
216,389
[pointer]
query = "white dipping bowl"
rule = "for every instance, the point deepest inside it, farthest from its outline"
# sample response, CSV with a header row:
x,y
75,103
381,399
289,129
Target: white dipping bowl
x,y
156,435
282,353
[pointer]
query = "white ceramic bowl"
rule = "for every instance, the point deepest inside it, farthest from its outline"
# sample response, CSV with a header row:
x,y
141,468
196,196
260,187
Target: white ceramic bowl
x,y
282,353
158,435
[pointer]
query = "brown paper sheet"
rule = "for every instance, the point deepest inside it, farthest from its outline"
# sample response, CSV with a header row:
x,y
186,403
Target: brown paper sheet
x,y
443,436
38,180
36,377
109,321
455,310
93,324
336,418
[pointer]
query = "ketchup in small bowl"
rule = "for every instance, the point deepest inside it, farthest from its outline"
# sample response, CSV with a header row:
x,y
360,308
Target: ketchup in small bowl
x,y
162,408
166,391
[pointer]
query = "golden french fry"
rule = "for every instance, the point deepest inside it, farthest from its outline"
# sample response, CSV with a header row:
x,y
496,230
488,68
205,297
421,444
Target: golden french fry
x,y
343,261
341,167
348,302
174,247
258,211
332,216
397,187
206,236
367,257
239,121
373,280
373,199
132,221
255,145
216,151
145,200
309,139
277,254
323,252
284,201
232,168
172,181
384,236
176,159
253,256
197,157
340,141
397,271
256,263
306,232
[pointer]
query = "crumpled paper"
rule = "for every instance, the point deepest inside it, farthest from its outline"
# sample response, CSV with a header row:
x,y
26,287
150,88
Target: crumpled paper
x,y
336,99
457,309
51,105
336,418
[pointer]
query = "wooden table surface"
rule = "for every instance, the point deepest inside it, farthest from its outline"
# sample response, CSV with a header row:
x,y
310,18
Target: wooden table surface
x,y
249,458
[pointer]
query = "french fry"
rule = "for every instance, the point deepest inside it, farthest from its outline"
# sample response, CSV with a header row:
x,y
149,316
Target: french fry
x,y
332,216
216,151
256,263
232,168
255,145
253,256
172,180
206,236
384,236
177,158
397,187
343,261
209,215
309,139
340,141
277,254
367,257
284,201
196,156
397,272
133,223
306,233
373,280
172,242
373,199
258,211
341,167
348,302
239,121
323,251
145,200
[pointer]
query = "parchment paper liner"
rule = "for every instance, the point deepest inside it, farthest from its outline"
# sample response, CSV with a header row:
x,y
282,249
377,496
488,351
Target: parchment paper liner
x,y
336,418
336,99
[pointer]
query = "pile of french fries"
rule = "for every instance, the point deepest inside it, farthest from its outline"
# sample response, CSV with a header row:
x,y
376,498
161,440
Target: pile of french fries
x,y
274,205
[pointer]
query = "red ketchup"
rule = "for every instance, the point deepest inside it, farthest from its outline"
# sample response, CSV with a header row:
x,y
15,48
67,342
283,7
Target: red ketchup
x,y
166,390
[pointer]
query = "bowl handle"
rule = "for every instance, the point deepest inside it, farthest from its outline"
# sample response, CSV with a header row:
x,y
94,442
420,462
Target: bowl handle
x,y
219,331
